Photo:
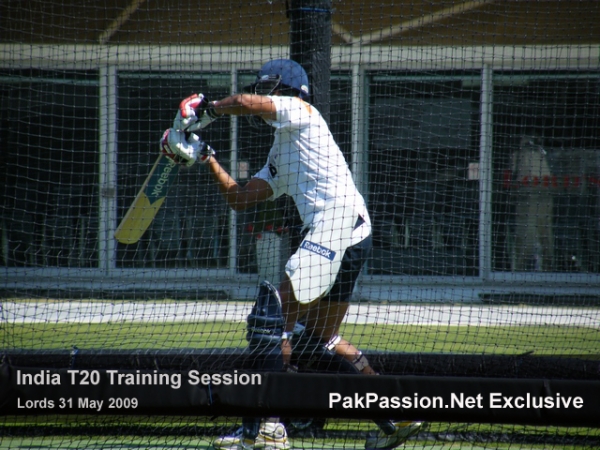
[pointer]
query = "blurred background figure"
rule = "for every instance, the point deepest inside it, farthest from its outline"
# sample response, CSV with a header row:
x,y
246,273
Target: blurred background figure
x,y
533,246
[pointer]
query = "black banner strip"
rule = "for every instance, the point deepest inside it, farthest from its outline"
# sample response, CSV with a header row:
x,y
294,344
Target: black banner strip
x,y
30,391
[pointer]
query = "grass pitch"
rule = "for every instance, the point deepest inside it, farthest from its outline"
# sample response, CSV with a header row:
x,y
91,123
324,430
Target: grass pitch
x,y
156,433
187,433
546,340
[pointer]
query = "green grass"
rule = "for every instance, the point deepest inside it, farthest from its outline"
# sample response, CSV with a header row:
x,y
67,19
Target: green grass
x,y
546,340
437,436
191,443
124,335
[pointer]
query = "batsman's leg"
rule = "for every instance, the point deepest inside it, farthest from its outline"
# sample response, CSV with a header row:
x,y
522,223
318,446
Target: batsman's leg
x,y
264,327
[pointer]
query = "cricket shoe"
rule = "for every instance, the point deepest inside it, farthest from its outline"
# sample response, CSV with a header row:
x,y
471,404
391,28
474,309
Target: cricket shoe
x,y
404,430
271,436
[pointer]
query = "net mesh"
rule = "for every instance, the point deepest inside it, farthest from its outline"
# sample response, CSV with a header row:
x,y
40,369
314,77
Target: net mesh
x,y
470,128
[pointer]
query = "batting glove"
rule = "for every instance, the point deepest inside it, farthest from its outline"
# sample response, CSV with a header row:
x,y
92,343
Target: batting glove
x,y
185,148
186,115
187,118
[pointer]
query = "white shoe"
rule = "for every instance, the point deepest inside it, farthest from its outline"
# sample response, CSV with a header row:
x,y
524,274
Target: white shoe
x,y
271,436
404,430
244,445
229,441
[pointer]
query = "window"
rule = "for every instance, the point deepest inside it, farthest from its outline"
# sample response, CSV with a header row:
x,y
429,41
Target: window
x,y
546,172
49,172
423,134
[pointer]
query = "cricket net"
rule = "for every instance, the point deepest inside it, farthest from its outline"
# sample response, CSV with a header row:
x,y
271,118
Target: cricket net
x,y
470,127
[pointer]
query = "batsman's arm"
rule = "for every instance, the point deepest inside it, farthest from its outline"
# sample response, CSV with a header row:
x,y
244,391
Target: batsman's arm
x,y
239,197
187,148
246,105
187,118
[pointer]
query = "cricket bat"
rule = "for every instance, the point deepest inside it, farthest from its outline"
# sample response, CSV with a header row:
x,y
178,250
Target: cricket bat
x,y
152,195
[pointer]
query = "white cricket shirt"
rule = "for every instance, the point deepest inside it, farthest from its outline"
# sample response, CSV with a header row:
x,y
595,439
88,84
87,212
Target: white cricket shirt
x,y
306,163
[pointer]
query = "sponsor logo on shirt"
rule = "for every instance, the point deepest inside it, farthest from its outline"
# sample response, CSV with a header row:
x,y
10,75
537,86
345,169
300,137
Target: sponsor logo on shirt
x,y
319,250
272,170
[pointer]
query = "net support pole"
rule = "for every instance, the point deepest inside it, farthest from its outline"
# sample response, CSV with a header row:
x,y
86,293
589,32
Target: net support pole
x,y
485,172
310,46
108,167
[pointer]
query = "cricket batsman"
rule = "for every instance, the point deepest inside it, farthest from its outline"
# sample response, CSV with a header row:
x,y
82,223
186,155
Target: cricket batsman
x,y
305,163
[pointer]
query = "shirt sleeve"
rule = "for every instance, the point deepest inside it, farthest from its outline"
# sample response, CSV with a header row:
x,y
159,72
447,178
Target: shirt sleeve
x,y
269,174
291,112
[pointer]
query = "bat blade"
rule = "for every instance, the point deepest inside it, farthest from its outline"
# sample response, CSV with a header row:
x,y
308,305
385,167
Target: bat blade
x,y
151,196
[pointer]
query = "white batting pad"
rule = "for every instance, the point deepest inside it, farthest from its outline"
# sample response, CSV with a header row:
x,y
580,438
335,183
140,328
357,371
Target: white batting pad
x,y
315,265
